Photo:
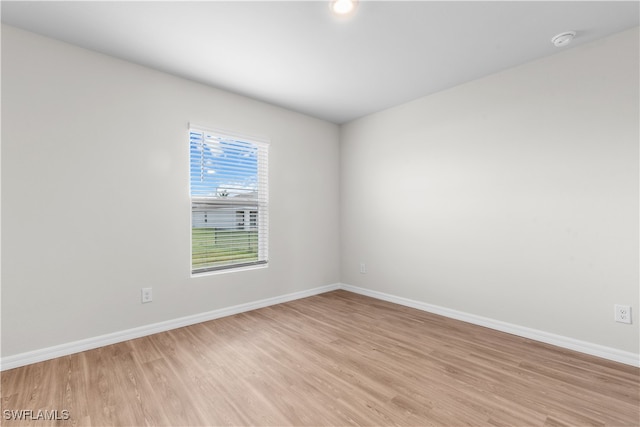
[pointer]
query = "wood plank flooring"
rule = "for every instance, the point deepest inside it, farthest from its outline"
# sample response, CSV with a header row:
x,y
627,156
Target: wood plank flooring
x,y
330,360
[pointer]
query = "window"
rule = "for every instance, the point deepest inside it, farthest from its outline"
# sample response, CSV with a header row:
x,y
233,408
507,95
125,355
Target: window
x,y
253,219
229,200
240,218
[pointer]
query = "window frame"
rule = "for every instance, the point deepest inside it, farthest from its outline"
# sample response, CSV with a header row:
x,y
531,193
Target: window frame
x,y
261,205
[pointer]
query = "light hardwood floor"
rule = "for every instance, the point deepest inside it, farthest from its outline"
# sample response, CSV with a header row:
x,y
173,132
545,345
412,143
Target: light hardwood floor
x,y
332,359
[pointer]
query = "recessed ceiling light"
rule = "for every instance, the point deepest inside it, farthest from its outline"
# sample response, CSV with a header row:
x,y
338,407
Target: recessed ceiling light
x,y
343,7
563,39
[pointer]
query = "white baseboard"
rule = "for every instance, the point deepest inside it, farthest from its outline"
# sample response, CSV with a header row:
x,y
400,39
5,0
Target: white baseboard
x,y
609,353
35,356
66,349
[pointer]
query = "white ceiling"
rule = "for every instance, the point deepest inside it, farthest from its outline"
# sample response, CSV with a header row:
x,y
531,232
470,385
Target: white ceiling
x,y
297,55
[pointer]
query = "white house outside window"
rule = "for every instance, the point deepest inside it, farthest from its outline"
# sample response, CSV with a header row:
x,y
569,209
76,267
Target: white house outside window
x,y
229,200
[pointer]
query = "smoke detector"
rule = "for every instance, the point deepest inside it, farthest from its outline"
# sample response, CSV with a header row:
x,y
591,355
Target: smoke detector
x,y
563,39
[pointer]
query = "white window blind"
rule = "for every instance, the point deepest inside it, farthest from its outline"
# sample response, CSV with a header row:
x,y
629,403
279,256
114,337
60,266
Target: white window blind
x,y
229,200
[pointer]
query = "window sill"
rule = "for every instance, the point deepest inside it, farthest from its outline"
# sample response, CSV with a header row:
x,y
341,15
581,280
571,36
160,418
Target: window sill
x,y
230,270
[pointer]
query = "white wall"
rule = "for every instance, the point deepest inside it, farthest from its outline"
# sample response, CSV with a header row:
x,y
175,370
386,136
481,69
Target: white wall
x,y
95,199
513,197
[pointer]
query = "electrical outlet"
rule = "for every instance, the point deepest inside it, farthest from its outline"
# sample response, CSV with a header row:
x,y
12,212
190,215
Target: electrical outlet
x,y
363,268
622,313
147,295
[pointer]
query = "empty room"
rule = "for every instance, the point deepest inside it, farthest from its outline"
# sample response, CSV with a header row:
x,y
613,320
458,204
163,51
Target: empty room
x,y
320,213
